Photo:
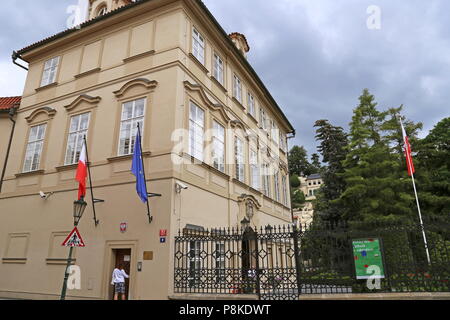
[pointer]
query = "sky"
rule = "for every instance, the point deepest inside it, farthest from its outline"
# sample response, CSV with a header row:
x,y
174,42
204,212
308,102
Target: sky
x,y
314,56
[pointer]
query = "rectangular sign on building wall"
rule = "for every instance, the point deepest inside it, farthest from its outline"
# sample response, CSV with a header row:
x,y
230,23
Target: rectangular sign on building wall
x,y
368,258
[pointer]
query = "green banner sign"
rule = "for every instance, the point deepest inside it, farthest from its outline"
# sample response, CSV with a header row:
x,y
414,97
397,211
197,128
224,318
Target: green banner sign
x,y
368,259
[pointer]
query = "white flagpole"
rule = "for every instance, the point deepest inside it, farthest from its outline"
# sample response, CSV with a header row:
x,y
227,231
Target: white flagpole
x,y
417,198
421,220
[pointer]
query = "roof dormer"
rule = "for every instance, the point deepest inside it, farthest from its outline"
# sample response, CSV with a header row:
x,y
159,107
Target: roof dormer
x,y
98,8
240,41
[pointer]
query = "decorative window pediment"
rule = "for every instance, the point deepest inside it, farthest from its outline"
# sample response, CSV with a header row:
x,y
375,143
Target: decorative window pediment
x,y
44,113
83,102
214,107
136,87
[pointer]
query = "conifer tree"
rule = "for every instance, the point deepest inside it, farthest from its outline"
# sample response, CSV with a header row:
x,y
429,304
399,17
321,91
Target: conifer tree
x,y
372,173
333,142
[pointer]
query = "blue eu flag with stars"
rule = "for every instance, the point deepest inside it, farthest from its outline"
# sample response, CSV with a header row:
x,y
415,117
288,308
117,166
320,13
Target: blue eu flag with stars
x,y
138,170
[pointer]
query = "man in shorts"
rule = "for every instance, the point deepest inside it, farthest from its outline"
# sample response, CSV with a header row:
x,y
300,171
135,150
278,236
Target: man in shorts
x,y
118,281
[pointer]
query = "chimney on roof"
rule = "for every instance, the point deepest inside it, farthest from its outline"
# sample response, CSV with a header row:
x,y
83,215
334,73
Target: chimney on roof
x,y
240,41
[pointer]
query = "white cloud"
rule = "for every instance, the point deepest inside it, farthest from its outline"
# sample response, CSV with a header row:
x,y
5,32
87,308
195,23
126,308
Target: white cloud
x,y
12,79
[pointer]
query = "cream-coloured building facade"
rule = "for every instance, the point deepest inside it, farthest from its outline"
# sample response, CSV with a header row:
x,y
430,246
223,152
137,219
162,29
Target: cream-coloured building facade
x,y
169,66
309,186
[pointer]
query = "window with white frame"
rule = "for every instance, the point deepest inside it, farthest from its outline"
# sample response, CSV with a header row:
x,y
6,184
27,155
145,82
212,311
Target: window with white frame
x,y
218,72
198,46
132,114
251,105
196,131
263,118
218,146
254,169
78,130
277,186
50,70
239,156
283,142
34,148
266,180
275,133
284,186
237,88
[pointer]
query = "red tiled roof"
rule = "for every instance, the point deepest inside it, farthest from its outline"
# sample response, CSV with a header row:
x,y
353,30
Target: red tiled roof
x,y
9,102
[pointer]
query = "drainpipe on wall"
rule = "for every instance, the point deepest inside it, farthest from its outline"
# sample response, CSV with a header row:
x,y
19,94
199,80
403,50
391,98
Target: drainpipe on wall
x,y
12,113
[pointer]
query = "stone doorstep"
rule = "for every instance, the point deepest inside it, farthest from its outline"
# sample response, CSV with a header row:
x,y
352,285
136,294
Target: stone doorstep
x,y
212,297
379,296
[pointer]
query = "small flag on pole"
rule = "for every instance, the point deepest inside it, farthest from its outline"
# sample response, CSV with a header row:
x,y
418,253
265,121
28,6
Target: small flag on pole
x,y
408,152
138,170
82,173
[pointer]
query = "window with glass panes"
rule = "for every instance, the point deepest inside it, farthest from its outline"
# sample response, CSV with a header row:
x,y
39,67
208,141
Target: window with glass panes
x,y
34,148
266,180
254,168
275,133
239,155
196,131
263,118
251,105
50,69
237,88
198,46
132,114
284,186
218,69
218,146
283,142
78,130
277,186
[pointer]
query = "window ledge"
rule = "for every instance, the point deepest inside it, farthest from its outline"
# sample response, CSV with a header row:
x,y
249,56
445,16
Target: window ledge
x,y
252,117
87,73
51,85
238,103
242,184
217,82
31,173
14,260
59,262
68,167
140,55
127,157
216,171
193,159
201,65
256,191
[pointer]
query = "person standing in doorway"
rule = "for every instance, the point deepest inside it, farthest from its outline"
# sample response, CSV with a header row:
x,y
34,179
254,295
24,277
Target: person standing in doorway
x,y
118,281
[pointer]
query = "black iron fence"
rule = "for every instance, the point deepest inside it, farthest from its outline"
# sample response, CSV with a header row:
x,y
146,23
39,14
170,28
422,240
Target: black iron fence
x,y
279,263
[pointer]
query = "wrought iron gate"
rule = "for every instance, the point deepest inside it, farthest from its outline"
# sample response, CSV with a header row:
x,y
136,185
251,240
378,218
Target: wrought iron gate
x,y
279,263
237,261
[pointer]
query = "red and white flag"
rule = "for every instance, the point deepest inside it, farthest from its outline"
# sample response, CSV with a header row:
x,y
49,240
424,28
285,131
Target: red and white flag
x,y
408,155
82,173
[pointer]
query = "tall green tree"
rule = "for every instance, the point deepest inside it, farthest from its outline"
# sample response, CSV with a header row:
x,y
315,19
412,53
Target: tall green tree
x,y
375,188
315,163
333,143
433,170
298,162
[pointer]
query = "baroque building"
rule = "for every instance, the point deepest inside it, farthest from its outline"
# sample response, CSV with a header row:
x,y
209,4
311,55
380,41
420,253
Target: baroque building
x,y
214,146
